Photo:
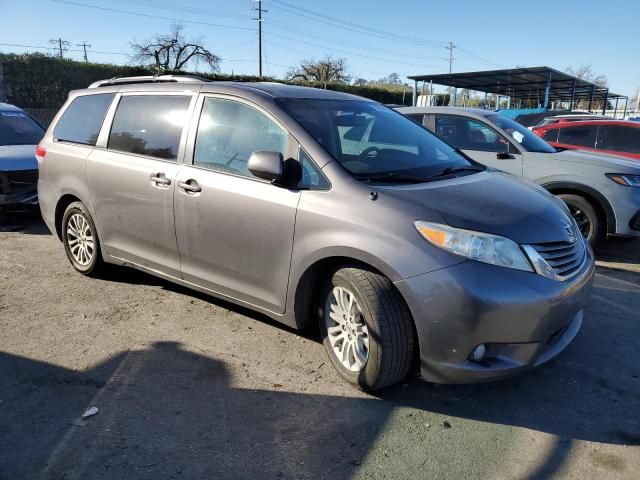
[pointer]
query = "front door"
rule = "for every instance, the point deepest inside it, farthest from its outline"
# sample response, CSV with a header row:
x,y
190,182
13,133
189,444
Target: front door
x,y
235,231
132,179
480,142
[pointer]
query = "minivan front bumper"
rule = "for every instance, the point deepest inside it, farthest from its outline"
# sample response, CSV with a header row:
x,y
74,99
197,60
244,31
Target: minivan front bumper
x,y
522,318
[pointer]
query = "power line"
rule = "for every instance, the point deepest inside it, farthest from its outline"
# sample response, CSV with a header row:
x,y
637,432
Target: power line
x,y
337,22
147,15
184,8
347,52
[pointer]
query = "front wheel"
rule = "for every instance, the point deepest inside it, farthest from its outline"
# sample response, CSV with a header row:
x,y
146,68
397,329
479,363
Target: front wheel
x,y
583,212
366,329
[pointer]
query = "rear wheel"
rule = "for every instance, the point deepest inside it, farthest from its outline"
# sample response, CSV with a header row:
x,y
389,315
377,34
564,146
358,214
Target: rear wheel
x,y
366,329
80,239
586,216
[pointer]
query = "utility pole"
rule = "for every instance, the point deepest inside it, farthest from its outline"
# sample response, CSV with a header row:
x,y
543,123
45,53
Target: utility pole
x,y
84,45
60,45
259,19
450,48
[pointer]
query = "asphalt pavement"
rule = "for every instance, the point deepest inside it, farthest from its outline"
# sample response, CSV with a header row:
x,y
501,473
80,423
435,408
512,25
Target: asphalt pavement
x,y
187,386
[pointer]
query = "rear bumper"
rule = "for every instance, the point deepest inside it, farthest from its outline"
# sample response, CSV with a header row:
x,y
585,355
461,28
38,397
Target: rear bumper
x,y
524,319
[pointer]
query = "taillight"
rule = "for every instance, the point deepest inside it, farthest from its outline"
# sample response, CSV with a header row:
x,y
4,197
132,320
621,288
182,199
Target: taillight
x,y
41,152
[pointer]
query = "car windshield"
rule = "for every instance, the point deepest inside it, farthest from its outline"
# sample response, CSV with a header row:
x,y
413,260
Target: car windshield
x,y
375,143
525,137
17,128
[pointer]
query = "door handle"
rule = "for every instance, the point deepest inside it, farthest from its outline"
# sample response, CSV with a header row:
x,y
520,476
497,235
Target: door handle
x,y
160,179
190,186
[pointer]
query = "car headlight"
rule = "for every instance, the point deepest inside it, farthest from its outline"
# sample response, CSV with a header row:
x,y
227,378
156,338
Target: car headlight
x,y
482,247
624,179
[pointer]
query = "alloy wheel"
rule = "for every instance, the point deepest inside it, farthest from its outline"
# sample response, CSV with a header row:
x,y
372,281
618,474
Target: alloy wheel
x,y
347,332
80,239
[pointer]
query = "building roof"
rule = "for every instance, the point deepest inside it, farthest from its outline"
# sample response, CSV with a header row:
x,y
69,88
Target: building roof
x,y
525,82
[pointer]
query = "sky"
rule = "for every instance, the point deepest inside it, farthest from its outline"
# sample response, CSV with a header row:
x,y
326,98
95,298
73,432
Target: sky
x,y
408,37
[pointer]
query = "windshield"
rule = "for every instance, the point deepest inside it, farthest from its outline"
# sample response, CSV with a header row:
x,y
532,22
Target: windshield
x,y
525,137
17,128
375,143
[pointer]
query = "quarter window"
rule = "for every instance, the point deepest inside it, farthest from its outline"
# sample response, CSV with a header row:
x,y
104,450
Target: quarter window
x,y
229,132
82,120
584,136
149,125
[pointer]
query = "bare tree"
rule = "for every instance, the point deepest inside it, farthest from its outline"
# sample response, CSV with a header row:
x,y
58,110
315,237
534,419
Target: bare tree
x,y
328,69
585,72
360,81
172,51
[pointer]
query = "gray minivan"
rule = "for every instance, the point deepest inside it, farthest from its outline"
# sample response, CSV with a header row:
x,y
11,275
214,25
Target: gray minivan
x,y
400,248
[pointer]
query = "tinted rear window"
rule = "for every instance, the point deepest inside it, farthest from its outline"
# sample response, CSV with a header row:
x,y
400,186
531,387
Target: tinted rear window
x,y
82,120
149,125
17,128
584,136
624,139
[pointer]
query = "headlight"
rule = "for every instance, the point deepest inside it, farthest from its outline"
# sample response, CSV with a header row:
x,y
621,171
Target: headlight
x,y
624,179
482,247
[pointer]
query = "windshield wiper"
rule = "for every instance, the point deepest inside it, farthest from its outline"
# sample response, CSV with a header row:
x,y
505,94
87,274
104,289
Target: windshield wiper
x,y
463,168
392,177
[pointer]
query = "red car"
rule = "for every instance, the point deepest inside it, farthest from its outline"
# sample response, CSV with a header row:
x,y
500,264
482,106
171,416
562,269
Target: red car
x,y
619,137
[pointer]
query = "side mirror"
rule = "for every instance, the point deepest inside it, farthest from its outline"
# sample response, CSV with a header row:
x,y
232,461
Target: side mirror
x,y
504,156
266,165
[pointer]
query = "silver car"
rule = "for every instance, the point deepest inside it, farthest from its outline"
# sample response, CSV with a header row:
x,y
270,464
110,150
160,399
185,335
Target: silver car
x,y
402,250
602,191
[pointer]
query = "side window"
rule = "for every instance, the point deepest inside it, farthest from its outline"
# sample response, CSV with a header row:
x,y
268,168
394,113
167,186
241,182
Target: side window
x,y
312,177
582,136
82,120
415,117
469,134
551,135
624,139
229,132
149,125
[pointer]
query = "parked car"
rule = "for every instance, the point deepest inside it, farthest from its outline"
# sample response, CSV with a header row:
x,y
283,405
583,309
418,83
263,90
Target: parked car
x,y
266,195
601,191
568,118
617,137
19,135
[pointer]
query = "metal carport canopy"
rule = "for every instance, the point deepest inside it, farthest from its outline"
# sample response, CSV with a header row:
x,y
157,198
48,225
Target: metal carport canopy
x,y
524,82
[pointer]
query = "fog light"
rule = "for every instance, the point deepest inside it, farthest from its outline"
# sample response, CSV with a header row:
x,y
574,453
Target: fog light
x,y
478,353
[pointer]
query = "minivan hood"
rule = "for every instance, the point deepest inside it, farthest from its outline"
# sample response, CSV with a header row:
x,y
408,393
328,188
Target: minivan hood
x,y
18,157
616,162
491,202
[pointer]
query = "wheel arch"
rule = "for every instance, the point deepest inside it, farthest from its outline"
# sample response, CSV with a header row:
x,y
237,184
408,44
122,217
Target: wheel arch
x,y
63,202
598,200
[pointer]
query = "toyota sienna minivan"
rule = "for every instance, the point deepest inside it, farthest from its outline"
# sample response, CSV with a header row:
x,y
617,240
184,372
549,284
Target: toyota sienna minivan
x,y
400,248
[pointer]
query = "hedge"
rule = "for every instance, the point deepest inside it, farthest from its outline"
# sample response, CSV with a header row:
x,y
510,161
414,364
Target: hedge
x,y
41,81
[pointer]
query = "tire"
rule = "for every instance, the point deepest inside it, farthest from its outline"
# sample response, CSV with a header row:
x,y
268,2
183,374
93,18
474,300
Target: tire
x,y
586,216
381,311
80,240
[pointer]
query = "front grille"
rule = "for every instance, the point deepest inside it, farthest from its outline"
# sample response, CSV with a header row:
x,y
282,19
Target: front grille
x,y
18,182
564,258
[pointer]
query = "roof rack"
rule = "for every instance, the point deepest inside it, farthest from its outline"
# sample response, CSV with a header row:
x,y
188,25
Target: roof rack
x,y
148,79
